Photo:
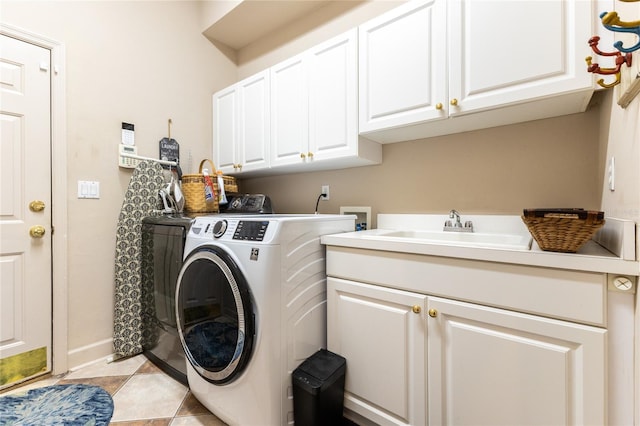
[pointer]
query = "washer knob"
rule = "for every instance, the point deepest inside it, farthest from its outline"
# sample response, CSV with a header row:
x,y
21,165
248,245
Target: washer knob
x,y
219,228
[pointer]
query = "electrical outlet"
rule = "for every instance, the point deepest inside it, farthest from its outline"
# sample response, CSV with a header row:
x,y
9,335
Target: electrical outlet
x,y
612,174
325,191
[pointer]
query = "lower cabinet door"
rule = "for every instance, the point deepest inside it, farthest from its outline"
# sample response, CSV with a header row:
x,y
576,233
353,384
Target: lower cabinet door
x,y
381,333
490,366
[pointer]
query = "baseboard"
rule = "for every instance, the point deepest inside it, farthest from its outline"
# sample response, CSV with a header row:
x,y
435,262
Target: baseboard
x,y
89,354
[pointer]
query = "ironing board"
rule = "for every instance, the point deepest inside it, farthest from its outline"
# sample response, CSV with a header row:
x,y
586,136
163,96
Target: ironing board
x,y
141,199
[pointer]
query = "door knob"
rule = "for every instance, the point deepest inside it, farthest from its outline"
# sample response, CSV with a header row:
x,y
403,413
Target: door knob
x,y
433,313
36,206
416,309
37,231
438,106
454,102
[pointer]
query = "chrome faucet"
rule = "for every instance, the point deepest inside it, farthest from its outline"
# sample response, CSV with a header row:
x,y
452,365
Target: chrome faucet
x,y
456,215
457,226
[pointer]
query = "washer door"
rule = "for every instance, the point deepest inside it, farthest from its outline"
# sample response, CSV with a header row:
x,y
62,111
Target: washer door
x,y
214,314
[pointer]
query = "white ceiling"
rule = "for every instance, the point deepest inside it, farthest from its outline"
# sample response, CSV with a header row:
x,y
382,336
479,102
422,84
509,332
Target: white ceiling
x,y
253,19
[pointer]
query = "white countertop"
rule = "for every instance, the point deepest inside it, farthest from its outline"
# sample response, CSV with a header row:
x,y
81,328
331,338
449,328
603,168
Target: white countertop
x,y
591,257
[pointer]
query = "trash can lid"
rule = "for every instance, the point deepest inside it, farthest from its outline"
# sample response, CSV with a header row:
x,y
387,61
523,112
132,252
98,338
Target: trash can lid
x,y
323,365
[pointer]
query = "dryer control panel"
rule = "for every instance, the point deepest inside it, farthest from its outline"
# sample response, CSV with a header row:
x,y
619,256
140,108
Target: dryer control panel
x,y
251,230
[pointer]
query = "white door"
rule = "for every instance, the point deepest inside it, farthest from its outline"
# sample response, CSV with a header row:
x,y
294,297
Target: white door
x,y
225,138
512,51
254,122
333,97
403,66
25,179
383,331
494,367
289,112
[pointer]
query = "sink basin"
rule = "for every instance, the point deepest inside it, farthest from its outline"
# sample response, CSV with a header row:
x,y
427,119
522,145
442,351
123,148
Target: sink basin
x,y
469,239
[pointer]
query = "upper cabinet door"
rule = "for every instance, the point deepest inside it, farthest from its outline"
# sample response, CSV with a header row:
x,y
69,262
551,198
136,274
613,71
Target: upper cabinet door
x,y
403,63
289,112
333,125
254,122
505,52
225,136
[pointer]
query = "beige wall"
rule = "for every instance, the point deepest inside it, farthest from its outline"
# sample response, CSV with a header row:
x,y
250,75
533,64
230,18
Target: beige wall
x,y
545,163
555,162
322,24
620,133
139,62
144,62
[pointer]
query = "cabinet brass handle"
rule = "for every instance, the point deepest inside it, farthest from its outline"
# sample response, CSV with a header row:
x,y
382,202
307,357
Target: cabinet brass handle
x,y
438,106
302,155
454,102
416,309
36,206
37,231
433,313
310,154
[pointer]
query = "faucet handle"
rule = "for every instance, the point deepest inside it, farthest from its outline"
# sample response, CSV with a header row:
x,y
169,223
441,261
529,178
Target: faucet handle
x,y
468,224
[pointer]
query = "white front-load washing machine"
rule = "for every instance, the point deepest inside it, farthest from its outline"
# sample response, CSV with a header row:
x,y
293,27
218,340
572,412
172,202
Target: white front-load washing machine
x,y
250,307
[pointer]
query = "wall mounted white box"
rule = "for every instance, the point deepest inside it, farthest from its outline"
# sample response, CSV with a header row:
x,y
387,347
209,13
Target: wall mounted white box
x,y
363,215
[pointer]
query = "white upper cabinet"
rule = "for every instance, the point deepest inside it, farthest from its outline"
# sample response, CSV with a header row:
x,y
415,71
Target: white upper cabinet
x,y
225,132
333,98
254,122
314,109
506,52
299,115
403,66
289,112
241,125
480,63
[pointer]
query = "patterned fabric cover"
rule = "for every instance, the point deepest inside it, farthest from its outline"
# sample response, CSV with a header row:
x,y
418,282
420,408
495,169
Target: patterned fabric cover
x,y
140,200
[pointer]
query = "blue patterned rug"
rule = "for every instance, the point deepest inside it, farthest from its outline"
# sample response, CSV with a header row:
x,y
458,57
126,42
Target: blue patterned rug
x,y
68,405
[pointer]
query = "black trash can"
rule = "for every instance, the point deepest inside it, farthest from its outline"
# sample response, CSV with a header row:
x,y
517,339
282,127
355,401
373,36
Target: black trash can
x,y
318,390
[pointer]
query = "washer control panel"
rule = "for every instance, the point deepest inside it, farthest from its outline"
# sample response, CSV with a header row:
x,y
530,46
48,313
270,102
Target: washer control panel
x,y
219,228
251,230
232,229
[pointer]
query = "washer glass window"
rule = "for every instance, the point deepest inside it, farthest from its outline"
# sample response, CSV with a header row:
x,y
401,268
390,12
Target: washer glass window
x,y
214,314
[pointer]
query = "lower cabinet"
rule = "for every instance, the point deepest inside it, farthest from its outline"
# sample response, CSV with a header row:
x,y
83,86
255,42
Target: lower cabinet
x,y
415,359
382,334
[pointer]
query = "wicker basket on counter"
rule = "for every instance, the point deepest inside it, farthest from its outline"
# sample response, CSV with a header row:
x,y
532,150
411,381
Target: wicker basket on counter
x,y
230,183
562,230
193,189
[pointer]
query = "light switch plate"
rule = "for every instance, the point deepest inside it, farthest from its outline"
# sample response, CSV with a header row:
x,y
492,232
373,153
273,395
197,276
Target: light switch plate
x,y
88,189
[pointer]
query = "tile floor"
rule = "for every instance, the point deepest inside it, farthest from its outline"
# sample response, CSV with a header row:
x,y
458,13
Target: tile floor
x,y
143,395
